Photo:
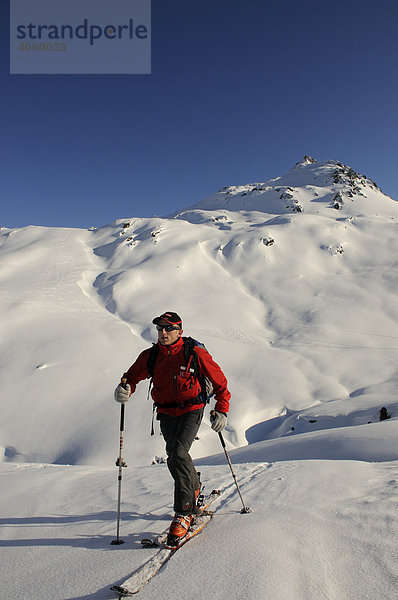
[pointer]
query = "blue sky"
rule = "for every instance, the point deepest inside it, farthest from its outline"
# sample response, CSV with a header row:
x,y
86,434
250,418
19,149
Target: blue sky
x,y
239,92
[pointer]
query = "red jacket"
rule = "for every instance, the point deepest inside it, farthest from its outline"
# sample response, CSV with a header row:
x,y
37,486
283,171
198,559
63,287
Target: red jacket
x,y
170,383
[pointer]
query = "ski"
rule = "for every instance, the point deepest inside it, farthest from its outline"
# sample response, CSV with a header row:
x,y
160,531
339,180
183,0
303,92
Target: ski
x,y
138,580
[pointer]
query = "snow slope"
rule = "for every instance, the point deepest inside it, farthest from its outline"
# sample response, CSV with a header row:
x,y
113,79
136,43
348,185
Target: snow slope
x,y
292,285
299,308
319,529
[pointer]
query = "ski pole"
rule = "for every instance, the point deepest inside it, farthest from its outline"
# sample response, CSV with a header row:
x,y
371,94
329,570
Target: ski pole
x,y
245,508
120,463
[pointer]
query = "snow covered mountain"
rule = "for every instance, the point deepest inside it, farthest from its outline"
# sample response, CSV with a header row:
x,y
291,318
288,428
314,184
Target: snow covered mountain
x,y
291,284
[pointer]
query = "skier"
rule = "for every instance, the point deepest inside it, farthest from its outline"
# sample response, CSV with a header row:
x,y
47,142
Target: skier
x,y
177,396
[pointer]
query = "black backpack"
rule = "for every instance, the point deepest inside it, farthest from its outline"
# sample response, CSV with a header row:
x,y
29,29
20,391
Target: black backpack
x,y
190,359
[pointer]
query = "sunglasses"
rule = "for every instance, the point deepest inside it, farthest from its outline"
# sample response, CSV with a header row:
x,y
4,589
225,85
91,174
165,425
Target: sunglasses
x,y
166,327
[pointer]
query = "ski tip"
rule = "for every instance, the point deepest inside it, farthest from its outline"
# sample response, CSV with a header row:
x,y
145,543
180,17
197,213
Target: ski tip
x,y
123,592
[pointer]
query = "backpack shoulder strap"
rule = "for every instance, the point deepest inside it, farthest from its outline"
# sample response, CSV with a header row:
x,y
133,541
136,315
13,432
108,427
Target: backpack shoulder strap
x,y
189,345
153,354
205,383
190,354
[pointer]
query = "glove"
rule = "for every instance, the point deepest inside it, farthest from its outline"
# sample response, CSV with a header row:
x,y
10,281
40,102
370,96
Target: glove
x,y
122,394
218,421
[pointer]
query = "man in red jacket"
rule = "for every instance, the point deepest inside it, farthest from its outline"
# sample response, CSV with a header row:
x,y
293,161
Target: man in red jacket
x,y
176,394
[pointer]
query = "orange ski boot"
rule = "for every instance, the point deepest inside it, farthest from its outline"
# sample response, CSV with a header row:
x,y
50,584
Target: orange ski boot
x,y
178,529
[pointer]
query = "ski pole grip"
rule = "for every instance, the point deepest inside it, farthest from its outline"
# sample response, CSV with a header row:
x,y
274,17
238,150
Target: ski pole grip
x,y
121,417
122,406
220,435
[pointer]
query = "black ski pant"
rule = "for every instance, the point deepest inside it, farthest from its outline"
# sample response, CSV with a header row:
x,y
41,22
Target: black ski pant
x,y
179,434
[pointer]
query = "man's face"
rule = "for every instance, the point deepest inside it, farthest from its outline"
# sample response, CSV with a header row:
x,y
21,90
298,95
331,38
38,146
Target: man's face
x,y
167,337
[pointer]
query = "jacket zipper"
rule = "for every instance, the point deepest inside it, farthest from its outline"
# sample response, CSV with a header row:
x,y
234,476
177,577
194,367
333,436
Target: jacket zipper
x,y
173,374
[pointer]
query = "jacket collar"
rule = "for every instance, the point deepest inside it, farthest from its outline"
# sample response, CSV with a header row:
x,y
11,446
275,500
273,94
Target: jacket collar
x,y
173,348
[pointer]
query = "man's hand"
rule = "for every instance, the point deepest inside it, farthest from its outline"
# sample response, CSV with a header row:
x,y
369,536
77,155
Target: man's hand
x,y
122,393
218,421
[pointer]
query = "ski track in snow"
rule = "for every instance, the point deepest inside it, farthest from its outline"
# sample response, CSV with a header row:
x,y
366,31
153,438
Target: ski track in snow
x,y
318,529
